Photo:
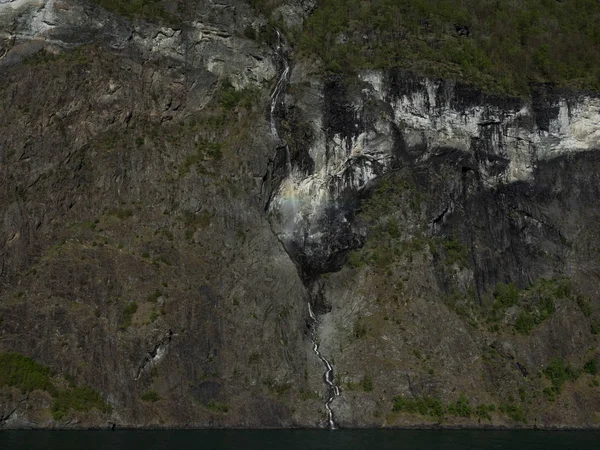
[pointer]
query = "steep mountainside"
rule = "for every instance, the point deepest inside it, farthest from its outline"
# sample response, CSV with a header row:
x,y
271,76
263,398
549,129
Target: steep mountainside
x,y
203,227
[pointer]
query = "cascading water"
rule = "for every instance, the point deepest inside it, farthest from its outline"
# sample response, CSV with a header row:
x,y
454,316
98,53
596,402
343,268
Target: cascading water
x,y
282,83
332,389
280,86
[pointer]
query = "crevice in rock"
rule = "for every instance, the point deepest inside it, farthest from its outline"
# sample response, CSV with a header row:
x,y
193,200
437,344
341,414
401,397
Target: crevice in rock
x,y
4,419
489,123
522,369
440,217
155,355
540,222
479,288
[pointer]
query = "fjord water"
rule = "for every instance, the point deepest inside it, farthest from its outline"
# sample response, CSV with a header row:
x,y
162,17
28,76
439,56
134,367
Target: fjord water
x,y
299,440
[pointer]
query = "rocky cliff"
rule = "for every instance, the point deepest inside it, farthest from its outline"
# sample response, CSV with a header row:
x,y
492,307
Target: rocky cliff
x,y
200,229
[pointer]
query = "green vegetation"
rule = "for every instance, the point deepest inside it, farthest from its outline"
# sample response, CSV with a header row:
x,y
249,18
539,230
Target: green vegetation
x,y
515,412
217,407
483,411
367,383
275,387
24,373
359,330
154,314
128,312
78,56
461,408
540,301
559,372
205,150
525,322
148,9
464,304
152,298
585,304
82,398
42,57
230,97
265,6
219,128
150,396
529,319
553,289
390,194
215,132
506,295
425,406
121,213
501,46
591,367
434,408
309,395
395,195
254,358
355,259
210,149
456,253
537,302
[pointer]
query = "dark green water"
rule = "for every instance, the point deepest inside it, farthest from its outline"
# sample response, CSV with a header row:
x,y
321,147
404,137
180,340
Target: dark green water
x,y
300,440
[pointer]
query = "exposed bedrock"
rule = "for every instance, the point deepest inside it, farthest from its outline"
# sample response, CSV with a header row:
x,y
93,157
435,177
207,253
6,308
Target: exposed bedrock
x,y
345,133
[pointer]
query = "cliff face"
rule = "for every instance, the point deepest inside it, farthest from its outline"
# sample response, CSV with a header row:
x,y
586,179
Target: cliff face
x,y
160,241
135,253
359,129
422,202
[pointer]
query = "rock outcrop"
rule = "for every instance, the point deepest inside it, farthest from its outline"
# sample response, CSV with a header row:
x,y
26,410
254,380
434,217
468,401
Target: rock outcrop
x,y
359,129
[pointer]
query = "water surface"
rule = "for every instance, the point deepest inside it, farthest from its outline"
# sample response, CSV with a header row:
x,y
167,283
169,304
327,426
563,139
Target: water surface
x,y
299,440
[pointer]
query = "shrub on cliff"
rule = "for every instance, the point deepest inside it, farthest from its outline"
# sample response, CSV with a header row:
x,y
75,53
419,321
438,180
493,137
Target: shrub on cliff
x,y
591,367
559,372
128,311
506,295
150,396
425,406
24,373
79,398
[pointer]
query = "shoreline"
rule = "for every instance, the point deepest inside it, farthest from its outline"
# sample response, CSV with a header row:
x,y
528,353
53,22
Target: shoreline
x,y
399,428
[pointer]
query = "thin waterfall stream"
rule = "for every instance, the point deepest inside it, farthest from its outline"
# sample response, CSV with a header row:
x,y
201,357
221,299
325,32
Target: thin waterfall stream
x,y
328,376
332,389
280,86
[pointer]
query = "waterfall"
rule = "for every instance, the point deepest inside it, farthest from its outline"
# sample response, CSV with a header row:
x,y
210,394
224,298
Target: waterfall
x,y
328,377
280,86
332,389
279,89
